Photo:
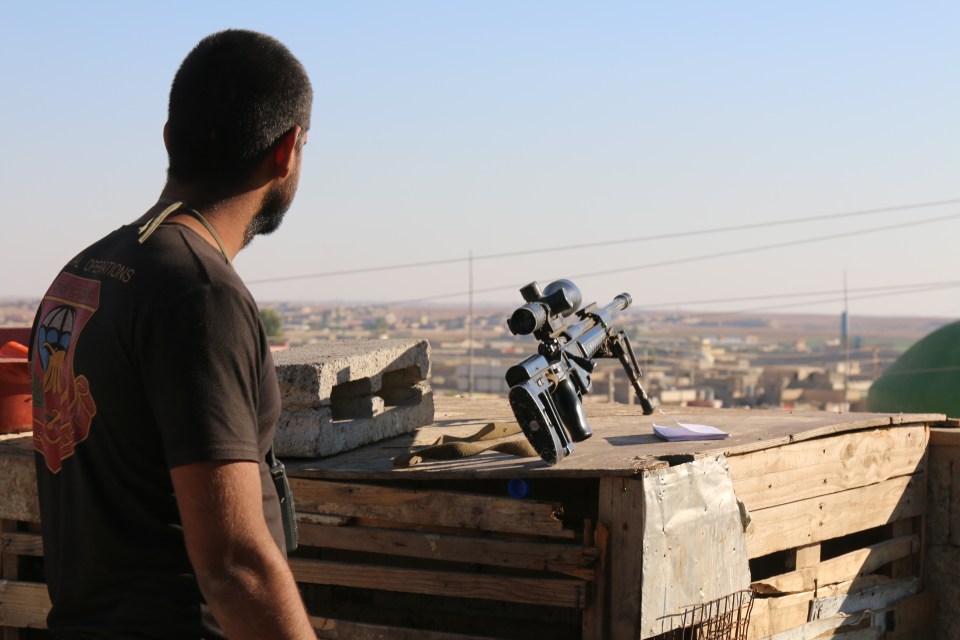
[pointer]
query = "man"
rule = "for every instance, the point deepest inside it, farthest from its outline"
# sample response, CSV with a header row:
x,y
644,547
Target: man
x,y
155,396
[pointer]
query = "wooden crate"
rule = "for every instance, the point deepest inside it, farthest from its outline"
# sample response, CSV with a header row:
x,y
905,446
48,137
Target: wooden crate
x,y
442,552
836,535
461,561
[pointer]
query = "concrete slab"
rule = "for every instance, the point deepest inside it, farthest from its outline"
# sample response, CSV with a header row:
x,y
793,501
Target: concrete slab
x,y
338,396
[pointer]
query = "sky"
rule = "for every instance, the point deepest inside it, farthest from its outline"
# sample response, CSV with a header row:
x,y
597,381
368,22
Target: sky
x,y
640,147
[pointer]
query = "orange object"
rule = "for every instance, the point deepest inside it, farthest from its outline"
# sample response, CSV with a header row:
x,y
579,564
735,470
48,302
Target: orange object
x,y
16,407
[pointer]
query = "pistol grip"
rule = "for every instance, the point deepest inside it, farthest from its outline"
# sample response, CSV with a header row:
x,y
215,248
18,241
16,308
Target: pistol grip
x,y
570,408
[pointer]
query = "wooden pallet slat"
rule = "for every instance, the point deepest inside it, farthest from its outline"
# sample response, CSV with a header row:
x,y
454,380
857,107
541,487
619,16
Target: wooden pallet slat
x,y
621,511
840,569
913,617
18,500
22,544
23,604
555,592
430,508
805,522
330,629
574,560
818,628
773,615
820,467
879,597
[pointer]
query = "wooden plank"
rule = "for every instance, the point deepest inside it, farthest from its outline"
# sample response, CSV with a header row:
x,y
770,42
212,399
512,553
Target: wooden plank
x,y
557,592
903,567
879,597
429,508
574,560
623,442
819,467
913,617
621,511
330,629
857,585
817,629
840,569
22,544
595,614
775,615
868,633
944,437
943,477
18,500
817,519
23,604
806,556
9,562
941,579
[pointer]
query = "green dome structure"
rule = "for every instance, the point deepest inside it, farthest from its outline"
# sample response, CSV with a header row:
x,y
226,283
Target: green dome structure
x,y
924,379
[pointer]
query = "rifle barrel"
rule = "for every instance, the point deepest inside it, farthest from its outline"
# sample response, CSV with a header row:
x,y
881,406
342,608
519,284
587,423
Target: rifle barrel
x,y
589,335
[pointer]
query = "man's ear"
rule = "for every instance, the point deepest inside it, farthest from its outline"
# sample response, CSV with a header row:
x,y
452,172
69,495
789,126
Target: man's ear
x,y
285,152
166,136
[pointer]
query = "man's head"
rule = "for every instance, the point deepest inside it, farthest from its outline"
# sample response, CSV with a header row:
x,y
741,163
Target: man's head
x,y
232,101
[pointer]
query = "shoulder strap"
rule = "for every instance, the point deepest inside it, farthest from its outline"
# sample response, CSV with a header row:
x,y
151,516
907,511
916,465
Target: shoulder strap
x,y
151,225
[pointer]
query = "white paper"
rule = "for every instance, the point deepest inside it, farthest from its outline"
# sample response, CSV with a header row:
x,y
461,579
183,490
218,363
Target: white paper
x,y
689,431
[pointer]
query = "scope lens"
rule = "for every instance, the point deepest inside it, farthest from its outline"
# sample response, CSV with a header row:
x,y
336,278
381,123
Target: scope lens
x,y
527,319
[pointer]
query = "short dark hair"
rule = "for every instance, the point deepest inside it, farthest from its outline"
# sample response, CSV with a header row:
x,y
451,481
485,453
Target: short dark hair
x,y
233,97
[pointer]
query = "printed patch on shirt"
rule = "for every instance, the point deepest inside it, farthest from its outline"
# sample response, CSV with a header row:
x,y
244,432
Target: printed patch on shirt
x,y
62,405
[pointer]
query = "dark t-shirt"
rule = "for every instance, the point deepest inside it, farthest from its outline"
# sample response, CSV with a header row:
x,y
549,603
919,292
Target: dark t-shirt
x,y
145,357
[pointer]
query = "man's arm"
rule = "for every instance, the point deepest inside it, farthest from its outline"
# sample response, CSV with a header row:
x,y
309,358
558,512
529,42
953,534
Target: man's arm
x,y
243,575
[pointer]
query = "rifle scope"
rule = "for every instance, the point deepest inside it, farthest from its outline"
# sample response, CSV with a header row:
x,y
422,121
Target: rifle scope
x,y
559,298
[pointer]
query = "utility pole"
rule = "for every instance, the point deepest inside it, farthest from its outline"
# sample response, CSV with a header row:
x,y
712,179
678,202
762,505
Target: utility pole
x,y
845,335
470,326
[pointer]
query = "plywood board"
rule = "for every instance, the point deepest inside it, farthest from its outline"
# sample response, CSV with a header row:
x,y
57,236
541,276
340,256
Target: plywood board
x,y
622,444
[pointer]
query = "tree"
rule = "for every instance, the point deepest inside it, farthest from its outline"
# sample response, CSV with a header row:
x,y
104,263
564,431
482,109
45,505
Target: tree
x,y
380,326
272,322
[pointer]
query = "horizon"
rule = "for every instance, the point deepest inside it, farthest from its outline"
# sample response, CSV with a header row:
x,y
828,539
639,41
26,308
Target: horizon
x,y
780,153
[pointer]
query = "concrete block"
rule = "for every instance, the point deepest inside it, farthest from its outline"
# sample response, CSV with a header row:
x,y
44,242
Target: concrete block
x,y
308,374
312,433
339,396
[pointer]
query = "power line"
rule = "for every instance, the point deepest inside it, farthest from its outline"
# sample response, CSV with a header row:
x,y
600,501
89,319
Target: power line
x,y
603,243
771,296
779,245
707,256
808,303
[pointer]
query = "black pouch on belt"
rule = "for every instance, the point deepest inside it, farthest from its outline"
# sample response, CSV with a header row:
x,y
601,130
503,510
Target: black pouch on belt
x,y
289,515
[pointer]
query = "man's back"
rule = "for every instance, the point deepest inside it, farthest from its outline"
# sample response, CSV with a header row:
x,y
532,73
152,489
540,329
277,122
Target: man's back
x,y
146,357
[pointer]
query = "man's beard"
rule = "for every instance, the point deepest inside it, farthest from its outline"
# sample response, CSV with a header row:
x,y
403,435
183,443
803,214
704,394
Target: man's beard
x,y
276,202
